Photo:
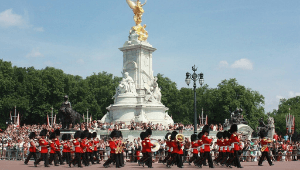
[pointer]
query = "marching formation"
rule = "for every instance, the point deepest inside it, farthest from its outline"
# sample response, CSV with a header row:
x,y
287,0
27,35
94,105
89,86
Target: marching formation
x,y
84,146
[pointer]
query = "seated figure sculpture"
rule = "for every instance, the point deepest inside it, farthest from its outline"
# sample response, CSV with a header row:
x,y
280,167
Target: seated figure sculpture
x,y
67,115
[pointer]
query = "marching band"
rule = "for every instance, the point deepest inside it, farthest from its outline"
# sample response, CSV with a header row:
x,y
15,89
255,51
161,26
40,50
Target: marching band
x,y
84,146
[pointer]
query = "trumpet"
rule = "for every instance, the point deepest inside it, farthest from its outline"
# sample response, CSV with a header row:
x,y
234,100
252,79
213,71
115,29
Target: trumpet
x,y
179,137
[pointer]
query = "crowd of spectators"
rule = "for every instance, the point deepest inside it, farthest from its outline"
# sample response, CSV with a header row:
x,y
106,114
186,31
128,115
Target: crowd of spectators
x,y
15,137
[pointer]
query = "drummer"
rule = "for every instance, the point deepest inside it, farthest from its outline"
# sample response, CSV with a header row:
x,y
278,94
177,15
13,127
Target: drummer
x,y
148,145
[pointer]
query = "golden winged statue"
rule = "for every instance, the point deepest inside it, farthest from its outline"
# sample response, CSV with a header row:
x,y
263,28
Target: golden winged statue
x,y
138,11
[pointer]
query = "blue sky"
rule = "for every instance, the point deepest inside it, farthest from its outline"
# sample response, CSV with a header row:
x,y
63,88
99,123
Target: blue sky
x,y
257,42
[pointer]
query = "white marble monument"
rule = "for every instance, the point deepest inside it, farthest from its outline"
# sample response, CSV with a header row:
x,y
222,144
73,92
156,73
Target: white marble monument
x,y
138,96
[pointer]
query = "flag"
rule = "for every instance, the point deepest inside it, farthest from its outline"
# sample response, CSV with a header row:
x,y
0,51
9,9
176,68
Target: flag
x,y
206,120
18,120
83,118
47,120
91,118
10,116
54,121
199,119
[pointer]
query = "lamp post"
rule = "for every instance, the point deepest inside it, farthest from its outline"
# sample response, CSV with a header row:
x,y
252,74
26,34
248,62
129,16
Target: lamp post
x,y
188,79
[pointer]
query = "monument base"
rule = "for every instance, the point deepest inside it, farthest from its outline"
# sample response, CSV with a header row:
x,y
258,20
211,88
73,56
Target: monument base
x,y
144,113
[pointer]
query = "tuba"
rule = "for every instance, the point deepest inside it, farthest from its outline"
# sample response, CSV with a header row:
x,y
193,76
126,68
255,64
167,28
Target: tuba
x,y
179,137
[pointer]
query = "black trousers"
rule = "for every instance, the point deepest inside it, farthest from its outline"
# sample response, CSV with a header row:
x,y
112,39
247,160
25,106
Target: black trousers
x,y
77,159
225,156
96,155
220,157
113,158
207,156
167,157
194,158
149,159
237,159
263,155
179,160
44,157
144,157
59,157
53,156
121,159
66,156
29,156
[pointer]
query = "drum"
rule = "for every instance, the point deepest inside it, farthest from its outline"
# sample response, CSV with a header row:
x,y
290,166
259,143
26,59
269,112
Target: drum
x,y
157,145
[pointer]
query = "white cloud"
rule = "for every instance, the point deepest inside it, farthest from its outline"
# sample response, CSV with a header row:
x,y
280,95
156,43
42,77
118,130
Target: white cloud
x,y
9,19
243,63
223,64
80,61
293,94
39,29
279,97
35,53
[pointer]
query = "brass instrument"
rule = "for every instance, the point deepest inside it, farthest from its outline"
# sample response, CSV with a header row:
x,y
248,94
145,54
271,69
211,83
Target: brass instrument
x,y
179,137
119,148
264,148
169,137
157,145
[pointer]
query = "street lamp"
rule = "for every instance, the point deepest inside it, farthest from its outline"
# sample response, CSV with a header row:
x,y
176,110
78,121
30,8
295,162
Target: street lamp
x,y
188,79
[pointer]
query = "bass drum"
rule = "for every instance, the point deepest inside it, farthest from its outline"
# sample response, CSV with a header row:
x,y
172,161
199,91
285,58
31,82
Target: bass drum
x,y
157,145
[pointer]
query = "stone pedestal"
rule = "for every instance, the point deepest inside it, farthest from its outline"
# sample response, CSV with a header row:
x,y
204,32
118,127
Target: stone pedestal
x,y
138,96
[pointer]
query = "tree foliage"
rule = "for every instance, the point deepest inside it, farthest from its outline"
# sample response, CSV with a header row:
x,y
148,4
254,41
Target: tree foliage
x,y
285,107
34,92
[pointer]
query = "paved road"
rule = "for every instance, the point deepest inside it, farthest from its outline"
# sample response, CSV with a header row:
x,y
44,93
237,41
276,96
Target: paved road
x,y
19,165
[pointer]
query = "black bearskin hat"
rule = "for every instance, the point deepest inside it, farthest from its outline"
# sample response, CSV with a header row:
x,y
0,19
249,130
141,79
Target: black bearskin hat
x,y
64,137
263,133
113,133
194,137
120,134
89,136
167,136
173,135
77,134
233,128
200,135
220,135
143,135
52,135
86,133
225,134
57,132
32,135
205,129
94,135
149,131
43,132
68,136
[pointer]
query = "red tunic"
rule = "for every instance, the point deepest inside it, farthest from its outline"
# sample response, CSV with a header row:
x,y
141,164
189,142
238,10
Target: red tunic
x,y
206,143
148,145
43,143
89,146
235,142
200,143
57,144
194,147
113,146
226,145
32,146
143,146
77,146
95,142
66,147
52,147
83,145
264,142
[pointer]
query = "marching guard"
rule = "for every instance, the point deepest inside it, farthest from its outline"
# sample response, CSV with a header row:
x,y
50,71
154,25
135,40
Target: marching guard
x,y
220,143
78,150
44,149
194,148
53,148
95,144
66,148
265,149
113,148
32,148
58,144
235,140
